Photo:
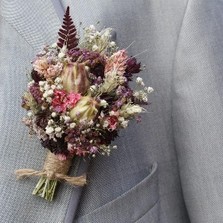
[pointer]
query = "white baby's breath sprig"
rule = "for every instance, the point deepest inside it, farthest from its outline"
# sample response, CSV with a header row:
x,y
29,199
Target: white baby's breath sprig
x,y
142,94
99,41
103,103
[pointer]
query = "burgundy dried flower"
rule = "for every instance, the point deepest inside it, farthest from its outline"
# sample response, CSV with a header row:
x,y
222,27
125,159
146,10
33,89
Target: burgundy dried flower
x,y
35,76
84,55
42,120
108,136
98,70
132,67
56,147
84,143
112,122
36,93
94,60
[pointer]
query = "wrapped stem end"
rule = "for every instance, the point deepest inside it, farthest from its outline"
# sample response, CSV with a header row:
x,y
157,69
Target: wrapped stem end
x,y
54,170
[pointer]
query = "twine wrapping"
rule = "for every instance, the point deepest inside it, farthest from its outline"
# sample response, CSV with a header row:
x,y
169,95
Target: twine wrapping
x,y
54,169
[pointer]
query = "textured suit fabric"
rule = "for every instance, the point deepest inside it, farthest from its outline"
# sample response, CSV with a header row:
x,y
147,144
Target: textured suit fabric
x,y
198,109
166,169
154,26
18,149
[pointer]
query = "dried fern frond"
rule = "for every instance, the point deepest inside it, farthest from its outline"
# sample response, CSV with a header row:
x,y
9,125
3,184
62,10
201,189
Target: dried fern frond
x,y
67,33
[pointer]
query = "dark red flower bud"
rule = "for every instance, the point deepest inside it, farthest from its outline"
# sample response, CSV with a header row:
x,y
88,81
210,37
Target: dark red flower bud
x,y
35,76
132,66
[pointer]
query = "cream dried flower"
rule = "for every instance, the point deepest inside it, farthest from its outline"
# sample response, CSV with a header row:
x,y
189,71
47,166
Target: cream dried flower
x,y
41,65
129,110
53,70
86,109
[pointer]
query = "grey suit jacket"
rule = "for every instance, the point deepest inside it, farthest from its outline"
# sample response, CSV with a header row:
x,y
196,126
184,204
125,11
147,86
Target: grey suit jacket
x,y
168,169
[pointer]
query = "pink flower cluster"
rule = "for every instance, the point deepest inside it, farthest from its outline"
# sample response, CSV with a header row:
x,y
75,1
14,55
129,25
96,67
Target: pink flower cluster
x,y
112,122
63,100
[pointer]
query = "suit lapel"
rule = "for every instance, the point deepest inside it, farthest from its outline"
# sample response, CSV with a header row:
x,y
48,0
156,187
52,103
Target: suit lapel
x,y
36,21
16,147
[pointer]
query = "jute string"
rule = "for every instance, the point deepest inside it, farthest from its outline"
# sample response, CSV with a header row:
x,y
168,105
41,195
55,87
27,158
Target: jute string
x,y
54,169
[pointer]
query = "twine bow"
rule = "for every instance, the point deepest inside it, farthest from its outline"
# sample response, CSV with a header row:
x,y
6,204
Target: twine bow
x,y
54,169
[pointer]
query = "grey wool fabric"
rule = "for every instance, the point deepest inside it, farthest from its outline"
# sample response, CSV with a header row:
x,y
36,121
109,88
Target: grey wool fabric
x,y
168,168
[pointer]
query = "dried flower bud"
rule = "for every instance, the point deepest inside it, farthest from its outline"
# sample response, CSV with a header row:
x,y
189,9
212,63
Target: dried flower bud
x,y
85,109
132,66
75,78
29,103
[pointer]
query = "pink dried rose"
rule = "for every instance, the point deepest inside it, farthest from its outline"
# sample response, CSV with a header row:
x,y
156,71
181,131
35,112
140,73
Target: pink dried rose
x,y
75,78
72,99
58,100
41,65
63,101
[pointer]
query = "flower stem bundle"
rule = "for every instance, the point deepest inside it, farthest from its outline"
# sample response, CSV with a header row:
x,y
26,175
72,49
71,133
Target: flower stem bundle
x,y
45,188
53,170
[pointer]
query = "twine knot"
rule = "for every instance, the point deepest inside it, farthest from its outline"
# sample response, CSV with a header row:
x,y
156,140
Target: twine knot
x,y
54,169
50,175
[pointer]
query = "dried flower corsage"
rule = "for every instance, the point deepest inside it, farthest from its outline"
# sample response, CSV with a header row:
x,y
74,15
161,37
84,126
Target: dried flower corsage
x,y
77,100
